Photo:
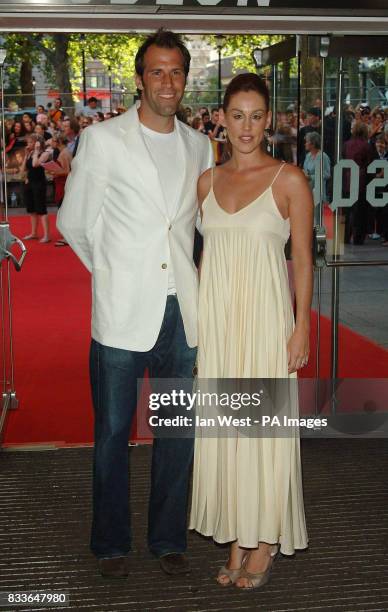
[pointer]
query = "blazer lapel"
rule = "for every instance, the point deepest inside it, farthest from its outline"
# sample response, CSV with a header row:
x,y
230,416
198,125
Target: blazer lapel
x,y
188,154
144,166
141,160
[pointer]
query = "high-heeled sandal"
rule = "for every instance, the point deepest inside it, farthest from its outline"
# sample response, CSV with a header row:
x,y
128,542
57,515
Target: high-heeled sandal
x,y
261,578
232,574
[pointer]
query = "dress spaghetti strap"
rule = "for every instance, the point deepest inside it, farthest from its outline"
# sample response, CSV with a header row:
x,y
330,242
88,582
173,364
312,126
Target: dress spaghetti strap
x,y
278,172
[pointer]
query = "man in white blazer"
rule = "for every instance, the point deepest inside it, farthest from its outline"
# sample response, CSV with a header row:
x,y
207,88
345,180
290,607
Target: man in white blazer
x,y
129,213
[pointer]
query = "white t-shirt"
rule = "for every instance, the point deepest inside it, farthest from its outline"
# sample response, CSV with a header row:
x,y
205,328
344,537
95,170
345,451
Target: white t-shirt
x,y
163,149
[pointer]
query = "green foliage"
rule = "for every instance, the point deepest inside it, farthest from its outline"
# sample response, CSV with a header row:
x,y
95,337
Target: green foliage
x,y
240,46
116,51
18,51
208,97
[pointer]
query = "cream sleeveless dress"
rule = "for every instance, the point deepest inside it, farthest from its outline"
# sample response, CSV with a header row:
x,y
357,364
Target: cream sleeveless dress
x,y
246,488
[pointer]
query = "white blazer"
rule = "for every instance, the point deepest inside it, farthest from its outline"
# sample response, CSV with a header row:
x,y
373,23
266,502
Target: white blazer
x,y
113,215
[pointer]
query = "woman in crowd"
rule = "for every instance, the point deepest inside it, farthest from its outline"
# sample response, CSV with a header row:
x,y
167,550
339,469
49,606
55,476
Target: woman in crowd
x,y
197,123
52,127
376,127
10,138
20,135
41,115
356,216
247,490
381,214
63,157
35,186
41,131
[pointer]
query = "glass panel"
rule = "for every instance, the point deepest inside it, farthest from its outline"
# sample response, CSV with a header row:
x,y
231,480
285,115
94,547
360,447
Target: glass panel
x,y
356,221
6,358
354,206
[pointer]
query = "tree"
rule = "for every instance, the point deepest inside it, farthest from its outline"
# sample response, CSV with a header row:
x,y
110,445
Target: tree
x,y
203,97
241,46
115,51
20,59
62,55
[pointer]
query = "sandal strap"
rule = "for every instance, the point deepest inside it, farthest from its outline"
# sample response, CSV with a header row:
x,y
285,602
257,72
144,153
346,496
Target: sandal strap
x,y
256,580
233,574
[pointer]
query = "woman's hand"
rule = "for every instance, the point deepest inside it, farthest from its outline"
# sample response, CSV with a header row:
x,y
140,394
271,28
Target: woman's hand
x,y
54,172
298,349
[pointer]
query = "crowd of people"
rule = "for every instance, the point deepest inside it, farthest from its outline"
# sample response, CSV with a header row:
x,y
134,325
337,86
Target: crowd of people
x,y
365,138
39,150
52,136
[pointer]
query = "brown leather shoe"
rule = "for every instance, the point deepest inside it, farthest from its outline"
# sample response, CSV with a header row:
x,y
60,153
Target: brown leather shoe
x,y
174,563
114,567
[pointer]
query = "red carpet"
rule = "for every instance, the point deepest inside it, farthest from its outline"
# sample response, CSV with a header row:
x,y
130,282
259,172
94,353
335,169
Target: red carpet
x,y
52,333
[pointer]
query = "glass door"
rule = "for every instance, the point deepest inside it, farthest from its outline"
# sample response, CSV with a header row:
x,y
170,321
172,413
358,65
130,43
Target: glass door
x,y
11,259
354,280
328,98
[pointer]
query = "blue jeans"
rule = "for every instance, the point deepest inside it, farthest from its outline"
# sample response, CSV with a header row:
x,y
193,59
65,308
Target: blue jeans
x,y
114,373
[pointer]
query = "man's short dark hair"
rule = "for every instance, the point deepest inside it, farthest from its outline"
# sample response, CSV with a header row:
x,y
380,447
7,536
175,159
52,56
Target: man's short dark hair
x,y
92,99
166,40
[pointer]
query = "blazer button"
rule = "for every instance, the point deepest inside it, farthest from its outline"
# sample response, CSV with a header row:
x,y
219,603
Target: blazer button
x,y
169,228
164,266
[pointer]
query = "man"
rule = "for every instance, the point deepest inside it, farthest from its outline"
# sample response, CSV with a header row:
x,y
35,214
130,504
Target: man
x,y
215,116
71,129
209,123
91,109
313,124
129,213
56,114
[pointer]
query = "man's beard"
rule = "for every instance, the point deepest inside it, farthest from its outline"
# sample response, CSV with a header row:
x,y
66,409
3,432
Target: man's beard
x,y
167,109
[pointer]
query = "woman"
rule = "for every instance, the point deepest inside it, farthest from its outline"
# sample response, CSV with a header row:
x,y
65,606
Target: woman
x,y
41,115
197,123
218,138
35,186
41,131
376,128
356,216
20,135
63,157
246,490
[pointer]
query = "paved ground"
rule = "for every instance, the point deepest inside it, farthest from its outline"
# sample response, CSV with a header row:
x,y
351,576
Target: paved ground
x,y
44,531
